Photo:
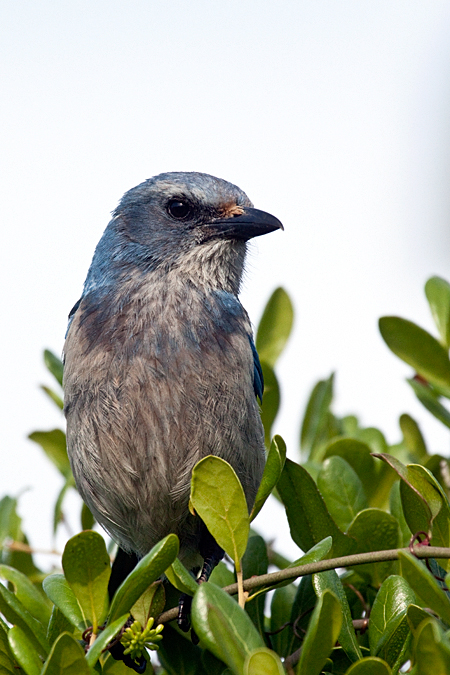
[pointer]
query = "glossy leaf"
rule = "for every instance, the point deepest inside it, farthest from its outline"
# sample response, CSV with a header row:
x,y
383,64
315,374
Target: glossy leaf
x,y
342,490
415,616
396,509
316,414
427,502
280,612
87,569
309,519
53,444
29,595
24,651
417,348
437,291
218,498
66,658
61,594
323,630
150,604
87,519
58,624
54,365
347,639
274,327
358,455
424,585
316,553
371,665
7,662
272,472
58,512
271,401
14,612
263,661
104,638
430,399
375,530
180,656
53,396
431,650
225,628
254,563
389,631
148,570
181,578
413,438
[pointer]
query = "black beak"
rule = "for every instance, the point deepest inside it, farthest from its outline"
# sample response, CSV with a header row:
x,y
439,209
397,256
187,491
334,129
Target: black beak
x,y
244,226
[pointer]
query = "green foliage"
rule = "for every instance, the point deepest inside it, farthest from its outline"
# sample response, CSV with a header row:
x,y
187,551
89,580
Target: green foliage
x,y
345,492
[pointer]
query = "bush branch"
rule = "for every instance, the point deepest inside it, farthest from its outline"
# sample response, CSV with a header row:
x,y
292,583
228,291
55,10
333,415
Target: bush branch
x,y
322,566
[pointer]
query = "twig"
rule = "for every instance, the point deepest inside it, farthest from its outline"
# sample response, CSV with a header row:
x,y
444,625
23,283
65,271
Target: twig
x,y
323,566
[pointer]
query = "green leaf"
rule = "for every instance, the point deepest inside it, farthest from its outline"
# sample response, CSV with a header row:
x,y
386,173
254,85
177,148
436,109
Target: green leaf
x,y
272,472
223,627
422,507
53,396
323,630
53,444
358,455
371,665
430,399
61,594
54,365
87,519
180,657
66,658
254,563
181,578
389,631
57,513
14,612
104,638
7,662
10,521
263,661
148,570
58,624
24,651
280,612
342,490
150,604
87,569
271,401
431,650
222,576
347,639
316,553
415,616
396,509
375,530
316,414
417,348
218,498
437,291
275,327
413,438
424,585
309,519
27,593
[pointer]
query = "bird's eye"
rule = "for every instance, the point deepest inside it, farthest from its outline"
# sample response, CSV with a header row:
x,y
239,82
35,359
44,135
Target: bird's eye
x,y
179,209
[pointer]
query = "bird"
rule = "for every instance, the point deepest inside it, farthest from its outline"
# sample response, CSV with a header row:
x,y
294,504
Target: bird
x,y
160,365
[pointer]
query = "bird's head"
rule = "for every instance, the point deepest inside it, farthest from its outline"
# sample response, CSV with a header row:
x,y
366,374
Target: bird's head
x,y
183,221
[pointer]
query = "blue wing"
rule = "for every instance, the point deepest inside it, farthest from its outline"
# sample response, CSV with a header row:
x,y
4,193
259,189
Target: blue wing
x,y
258,379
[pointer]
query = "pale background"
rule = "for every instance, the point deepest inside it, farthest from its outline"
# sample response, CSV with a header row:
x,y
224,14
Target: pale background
x,y
331,114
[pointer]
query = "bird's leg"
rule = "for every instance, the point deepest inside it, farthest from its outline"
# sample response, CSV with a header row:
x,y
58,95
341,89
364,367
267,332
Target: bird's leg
x,y
212,554
123,564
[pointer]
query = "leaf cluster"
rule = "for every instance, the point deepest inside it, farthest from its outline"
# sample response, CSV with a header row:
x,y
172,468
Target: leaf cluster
x,y
347,494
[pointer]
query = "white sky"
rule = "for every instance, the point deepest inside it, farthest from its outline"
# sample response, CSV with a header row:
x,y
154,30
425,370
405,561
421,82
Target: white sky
x,y
331,114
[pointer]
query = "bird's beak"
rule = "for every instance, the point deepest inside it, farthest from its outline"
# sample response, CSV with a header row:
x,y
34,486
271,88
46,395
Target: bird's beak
x,y
243,226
